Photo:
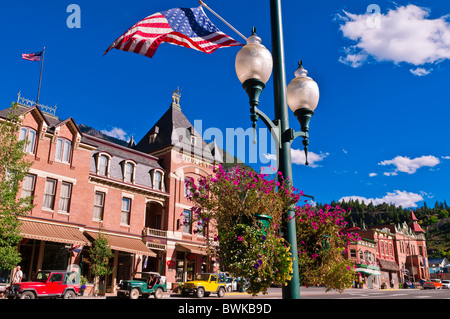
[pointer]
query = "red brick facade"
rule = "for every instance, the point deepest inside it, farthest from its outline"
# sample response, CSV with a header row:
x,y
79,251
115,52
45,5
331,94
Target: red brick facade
x,y
83,184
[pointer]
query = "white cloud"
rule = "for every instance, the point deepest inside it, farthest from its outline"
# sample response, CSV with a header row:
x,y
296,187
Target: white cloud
x,y
404,34
410,166
372,174
420,71
397,198
117,133
298,157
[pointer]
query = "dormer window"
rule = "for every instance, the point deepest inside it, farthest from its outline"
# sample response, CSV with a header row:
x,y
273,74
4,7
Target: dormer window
x,y
103,164
63,150
28,135
128,171
158,180
193,139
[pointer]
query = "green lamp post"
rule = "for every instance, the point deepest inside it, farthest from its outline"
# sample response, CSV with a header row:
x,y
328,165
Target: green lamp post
x,y
254,65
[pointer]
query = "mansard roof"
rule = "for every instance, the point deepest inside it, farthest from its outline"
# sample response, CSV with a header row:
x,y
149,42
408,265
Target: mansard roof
x,y
174,130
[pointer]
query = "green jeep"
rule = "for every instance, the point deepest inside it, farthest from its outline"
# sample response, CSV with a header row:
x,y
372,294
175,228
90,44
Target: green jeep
x,y
204,284
143,284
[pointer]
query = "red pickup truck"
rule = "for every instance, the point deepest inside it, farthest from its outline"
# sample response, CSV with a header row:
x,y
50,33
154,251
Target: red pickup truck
x,y
432,284
47,284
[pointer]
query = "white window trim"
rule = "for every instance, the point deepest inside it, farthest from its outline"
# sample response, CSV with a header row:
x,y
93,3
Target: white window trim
x,y
26,145
63,141
133,175
108,164
163,186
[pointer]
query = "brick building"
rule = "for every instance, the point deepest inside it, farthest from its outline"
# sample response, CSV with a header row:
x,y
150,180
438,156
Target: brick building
x,y
389,255
84,183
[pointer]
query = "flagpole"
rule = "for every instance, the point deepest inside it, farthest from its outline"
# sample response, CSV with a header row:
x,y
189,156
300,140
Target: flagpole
x,y
204,4
40,77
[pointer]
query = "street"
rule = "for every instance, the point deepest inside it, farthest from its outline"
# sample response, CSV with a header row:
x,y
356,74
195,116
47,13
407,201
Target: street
x,y
319,293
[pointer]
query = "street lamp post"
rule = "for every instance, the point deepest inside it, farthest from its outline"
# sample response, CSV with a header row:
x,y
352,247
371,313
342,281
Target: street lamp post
x,y
254,64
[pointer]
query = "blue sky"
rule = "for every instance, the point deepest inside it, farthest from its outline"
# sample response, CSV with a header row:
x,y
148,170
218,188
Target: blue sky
x,y
380,131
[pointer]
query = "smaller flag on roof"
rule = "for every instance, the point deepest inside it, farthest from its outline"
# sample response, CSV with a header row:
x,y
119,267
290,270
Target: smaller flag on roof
x,y
188,27
32,56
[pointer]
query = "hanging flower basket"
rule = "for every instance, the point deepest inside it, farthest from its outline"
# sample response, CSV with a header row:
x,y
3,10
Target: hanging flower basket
x,y
246,210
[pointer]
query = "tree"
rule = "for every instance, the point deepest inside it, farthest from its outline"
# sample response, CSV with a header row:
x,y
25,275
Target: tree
x,y
246,210
100,253
13,169
321,245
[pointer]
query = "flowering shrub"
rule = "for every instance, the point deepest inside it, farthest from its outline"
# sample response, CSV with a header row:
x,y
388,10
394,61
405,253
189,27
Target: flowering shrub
x,y
321,244
233,202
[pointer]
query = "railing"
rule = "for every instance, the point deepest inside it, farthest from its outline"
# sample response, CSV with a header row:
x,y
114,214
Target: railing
x,y
154,232
44,108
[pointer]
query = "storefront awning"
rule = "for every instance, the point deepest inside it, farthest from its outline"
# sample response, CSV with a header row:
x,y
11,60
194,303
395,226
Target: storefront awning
x,y
53,232
368,271
388,265
132,245
193,249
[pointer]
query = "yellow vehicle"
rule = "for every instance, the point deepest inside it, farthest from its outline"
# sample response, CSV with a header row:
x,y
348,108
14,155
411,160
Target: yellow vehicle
x,y
205,284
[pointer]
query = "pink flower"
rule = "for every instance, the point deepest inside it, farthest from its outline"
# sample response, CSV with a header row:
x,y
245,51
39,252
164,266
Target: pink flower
x,y
314,256
239,238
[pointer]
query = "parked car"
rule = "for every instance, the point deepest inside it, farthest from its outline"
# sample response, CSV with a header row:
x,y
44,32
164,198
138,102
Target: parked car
x,y
47,284
204,285
144,284
432,284
446,284
231,284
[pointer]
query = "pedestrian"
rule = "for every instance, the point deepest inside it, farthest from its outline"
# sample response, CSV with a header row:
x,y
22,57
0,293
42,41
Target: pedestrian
x,y
17,276
392,283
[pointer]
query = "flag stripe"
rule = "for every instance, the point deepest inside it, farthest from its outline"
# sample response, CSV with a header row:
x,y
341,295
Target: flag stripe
x,y
190,28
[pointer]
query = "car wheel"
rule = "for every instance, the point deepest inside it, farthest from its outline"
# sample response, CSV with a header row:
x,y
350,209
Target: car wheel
x,y
27,295
69,294
221,292
159,293
184,293
200,292
134,293
229,289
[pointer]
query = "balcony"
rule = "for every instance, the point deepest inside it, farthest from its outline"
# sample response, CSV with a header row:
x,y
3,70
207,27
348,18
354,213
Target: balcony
x,y
151,232
155,239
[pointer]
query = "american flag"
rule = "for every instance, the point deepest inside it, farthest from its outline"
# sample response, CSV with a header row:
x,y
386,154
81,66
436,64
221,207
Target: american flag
x,y
188,27
32,56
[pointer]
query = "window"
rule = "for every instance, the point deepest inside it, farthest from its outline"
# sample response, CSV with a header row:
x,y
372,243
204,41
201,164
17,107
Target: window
x,y
128,172
187,229
63,150
28,185
352,253
64,199
28,135
186,187
49,194
158,180
125,214
99,203
200,228
103,161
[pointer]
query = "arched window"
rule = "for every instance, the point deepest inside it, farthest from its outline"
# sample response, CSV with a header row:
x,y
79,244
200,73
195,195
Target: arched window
x,y
128,171
103,162
158,180
29,136
63,150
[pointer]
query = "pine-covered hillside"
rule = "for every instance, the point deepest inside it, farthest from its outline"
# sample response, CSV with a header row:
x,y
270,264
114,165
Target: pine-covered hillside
x,y
434,220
